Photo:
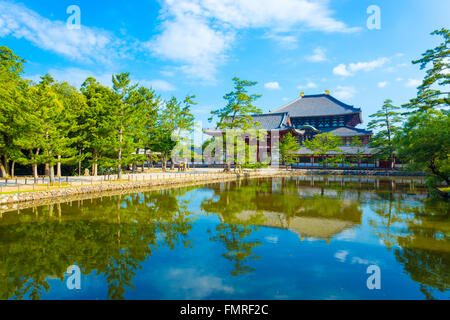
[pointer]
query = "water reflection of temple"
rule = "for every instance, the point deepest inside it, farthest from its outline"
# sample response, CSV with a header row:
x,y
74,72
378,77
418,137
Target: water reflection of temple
x,y
319,228
280,203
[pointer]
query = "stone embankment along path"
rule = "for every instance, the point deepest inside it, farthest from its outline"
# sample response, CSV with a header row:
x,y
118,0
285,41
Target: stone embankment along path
x,y
99,187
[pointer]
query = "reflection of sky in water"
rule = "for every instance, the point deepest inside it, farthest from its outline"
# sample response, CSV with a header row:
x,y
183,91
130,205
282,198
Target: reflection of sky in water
x,y
289,266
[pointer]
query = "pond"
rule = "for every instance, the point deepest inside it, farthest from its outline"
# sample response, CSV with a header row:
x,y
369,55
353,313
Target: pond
x,y
272,238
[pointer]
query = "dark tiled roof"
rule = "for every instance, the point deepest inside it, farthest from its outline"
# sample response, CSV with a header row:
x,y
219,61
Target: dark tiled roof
x,y
272,121
316,105
347,131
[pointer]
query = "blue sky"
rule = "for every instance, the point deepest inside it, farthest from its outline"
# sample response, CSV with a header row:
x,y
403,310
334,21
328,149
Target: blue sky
x,y
197,46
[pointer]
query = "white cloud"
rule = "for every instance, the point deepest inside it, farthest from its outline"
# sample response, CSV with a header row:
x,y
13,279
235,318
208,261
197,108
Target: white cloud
x,y
318,56
352,68
287,41
343,92
272,85
341,255
309,85
358,260
341,70
193,43
85,44
157,84
272,239
197,34
413,83
399,79
167,73
195,285
382,84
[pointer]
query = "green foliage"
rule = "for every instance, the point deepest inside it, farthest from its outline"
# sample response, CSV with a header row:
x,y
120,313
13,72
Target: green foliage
x,y
11,104
236,118
289,148
424,140
173,123
323,144
53,123
237,113
386,122
359,150
429,95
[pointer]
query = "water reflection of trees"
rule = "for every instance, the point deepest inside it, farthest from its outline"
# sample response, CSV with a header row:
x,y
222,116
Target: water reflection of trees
x,y
419,234
106,236
243,206
232,232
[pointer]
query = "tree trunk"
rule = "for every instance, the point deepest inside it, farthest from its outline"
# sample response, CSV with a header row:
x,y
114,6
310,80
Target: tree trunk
x,y
58,167
12,169
34,166
2,169
47,169
6,165
119,158
164,162
95,164
79,163
35,170
51,174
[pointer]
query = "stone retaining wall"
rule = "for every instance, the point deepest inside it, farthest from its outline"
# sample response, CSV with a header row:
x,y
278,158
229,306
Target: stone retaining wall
x,y
11,198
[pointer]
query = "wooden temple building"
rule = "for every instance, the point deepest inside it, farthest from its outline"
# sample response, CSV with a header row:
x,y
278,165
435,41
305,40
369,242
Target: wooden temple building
x,y
310,115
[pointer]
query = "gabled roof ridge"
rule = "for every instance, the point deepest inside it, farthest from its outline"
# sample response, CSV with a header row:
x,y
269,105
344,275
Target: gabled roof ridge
x,y
283,106
328,96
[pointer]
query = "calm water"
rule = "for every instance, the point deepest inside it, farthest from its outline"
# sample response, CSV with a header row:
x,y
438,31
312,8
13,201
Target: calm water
x,y
281,238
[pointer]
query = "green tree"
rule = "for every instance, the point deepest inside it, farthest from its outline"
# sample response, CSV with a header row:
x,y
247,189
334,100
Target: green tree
x,y
322,144
424,140
173,120
386,121
237,113
97,121
124,115
74,104
52,121
12,106
288,149
359,152
146,115
429,95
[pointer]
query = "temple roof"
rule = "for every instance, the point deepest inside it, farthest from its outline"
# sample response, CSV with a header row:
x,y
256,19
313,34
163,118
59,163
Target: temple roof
x,y
347,131
272,121
317,105
315,227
